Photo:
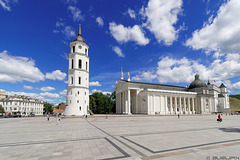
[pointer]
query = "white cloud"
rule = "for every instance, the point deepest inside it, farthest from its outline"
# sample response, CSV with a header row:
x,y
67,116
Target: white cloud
x,y
31,95
6,4
95,84
105,93
47,89
100,22
76,13
131,13
28,87
17,69
68,32
50,95
56,31
161,16
118,51
125,34
56,75
235,86
170,70
71,1
64,92
59,23
220,34
145,76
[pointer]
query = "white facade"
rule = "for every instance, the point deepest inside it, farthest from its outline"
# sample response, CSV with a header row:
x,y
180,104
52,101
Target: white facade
x,y
78,78
22,105
151,99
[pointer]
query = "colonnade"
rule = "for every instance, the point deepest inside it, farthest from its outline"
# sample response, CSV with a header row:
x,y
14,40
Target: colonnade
x,y
180,105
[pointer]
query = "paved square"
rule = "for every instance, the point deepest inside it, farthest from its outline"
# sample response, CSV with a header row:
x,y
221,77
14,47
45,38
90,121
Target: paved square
x,y
120,137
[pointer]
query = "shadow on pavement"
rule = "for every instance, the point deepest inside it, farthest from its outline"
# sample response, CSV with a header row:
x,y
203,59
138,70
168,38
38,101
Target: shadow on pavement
x,y
230,129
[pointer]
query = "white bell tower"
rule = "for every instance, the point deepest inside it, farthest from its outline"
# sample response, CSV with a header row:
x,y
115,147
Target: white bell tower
x,y
78,78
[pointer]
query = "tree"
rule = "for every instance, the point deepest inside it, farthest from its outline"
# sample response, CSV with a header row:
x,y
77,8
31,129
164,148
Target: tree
x,y
47,107
1,109
101,104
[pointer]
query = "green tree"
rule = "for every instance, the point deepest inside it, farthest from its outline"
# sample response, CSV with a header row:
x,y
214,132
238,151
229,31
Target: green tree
x,y
101,104
47,108
1,109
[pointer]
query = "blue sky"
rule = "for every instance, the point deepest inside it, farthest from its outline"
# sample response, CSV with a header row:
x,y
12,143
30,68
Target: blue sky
x,y
157,41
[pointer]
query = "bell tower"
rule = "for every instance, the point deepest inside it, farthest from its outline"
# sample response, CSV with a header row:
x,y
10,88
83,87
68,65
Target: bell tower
x,y
78,77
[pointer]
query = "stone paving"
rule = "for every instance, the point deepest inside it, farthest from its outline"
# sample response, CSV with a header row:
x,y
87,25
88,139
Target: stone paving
x,y
120,137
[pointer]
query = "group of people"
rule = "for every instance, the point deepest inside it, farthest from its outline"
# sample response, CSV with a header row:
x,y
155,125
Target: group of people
x,y
57,118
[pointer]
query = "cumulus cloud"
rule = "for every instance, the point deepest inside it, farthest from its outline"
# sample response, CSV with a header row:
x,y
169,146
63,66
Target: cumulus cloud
x,y
76,13
161,17
125,34
50,95
118,51
6,4
47,89
131,13
28,87
145,76
100,22
170,70
95,84
105,93
17,69
219,34
56,75
235,86
59,23
69,32
64,92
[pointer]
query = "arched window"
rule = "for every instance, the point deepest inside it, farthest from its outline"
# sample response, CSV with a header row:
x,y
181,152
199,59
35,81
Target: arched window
x,y
80,108
79,80
72,63
86,51
80,63
86,65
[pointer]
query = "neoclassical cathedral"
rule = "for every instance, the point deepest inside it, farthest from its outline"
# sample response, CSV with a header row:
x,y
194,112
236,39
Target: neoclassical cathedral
x,y
78,77
152,99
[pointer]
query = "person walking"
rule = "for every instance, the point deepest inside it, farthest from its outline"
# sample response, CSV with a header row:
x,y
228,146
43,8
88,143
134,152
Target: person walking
x,y
48,117
58,120
178,116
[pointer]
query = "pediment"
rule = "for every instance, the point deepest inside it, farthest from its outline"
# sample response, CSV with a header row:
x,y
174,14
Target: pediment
x,y
119,84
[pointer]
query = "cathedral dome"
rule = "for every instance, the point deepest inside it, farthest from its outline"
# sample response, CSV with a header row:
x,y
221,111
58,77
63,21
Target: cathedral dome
x,y
197,83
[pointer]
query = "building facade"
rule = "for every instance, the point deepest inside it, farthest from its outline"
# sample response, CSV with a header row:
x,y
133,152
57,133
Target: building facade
x,y
151,99
22,105
77,98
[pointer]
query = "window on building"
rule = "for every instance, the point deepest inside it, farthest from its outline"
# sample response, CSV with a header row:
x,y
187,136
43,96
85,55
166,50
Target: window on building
x,y
86,51
80,108
71,80
86,65
78,92
80,63
79,80
85,93
72,63
73,48
77,101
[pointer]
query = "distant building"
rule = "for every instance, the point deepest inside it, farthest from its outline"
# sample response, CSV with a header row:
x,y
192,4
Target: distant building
x,y
62,106
2,94
148,98
22,105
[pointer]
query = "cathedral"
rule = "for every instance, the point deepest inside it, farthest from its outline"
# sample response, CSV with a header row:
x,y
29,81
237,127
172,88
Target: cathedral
x,y
78,77
152,99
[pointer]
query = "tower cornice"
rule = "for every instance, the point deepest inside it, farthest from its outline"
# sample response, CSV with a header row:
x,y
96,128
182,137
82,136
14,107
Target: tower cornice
x,y
76,69
78,53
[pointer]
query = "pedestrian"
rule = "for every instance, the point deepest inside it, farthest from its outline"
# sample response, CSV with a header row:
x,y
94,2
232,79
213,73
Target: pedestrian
x,y
86,116
48,117
106,116
178,116
58,120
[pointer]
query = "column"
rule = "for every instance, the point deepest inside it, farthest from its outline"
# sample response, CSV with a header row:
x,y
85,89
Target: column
x,y
175,105
171,109
129,102
166,105
189,111
184,105
120,102
180,105
126,101
193,106
137,101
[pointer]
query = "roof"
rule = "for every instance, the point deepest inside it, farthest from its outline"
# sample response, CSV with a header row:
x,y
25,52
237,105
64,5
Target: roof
x,y
58,110
79,37
222,86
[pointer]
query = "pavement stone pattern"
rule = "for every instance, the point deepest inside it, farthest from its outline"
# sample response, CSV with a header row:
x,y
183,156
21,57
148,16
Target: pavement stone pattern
x,y
198,137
